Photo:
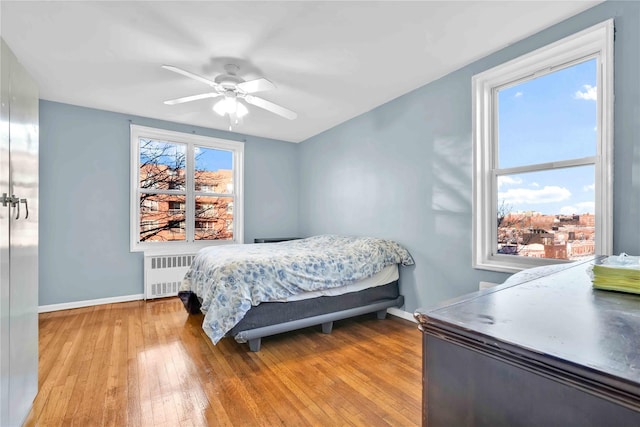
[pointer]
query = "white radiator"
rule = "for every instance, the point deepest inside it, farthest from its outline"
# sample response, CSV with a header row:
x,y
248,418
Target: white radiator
x,y
163,274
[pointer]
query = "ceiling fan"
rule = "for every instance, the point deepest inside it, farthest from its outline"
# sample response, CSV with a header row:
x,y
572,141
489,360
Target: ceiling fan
x,y
232,89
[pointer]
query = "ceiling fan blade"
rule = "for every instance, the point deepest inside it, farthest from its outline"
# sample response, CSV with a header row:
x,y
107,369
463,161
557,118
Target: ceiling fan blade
x,y
257,85
191,98
270,106
190,75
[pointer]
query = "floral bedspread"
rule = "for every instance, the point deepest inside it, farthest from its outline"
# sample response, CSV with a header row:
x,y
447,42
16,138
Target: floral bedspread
x,y
230,279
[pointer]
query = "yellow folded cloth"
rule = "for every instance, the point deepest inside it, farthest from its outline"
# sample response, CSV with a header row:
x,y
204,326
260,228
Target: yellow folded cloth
x,y
616,279
619,273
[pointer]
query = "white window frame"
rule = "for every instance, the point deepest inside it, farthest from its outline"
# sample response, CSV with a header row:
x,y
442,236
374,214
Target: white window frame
x,y
594,42
190,140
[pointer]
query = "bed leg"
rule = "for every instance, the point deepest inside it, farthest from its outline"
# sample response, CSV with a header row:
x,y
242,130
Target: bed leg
x,y
381,314
254,344
327,327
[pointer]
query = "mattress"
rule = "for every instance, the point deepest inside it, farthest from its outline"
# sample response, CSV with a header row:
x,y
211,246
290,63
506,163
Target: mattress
x,y
387,275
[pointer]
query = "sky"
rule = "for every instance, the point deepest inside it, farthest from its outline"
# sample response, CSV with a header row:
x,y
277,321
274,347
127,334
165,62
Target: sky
x,y
207,159
550,118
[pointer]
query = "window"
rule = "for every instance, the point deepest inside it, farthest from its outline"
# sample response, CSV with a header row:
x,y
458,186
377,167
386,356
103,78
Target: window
x,y
543,153
181,188
149,205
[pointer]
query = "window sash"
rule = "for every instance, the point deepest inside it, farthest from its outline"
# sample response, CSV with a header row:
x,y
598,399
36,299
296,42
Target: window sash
x,y
497,204
548,166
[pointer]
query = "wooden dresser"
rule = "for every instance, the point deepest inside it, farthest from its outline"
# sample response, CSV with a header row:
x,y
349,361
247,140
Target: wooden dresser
x,y
548,351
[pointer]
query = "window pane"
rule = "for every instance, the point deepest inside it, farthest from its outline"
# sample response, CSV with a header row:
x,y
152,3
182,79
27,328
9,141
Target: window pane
x,y
549,118
162,165
547,214
214,170
214,218
162,217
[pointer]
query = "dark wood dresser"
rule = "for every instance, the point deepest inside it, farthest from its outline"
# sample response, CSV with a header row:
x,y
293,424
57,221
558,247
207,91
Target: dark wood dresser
x,y
549,351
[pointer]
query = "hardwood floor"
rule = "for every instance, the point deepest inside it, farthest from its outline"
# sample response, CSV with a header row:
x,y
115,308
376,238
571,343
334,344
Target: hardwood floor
x,y
150,364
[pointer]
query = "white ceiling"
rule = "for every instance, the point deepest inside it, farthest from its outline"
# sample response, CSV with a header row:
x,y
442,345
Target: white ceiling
x,y
330,61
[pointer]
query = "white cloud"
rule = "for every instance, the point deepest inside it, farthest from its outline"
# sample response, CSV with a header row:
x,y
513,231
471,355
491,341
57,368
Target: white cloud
x,y
579,208
590,187
547,194
508,180
535,184
590,93
518,94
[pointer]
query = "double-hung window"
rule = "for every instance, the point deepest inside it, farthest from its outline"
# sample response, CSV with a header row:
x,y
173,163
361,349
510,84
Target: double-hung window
x,y
186,191
543,153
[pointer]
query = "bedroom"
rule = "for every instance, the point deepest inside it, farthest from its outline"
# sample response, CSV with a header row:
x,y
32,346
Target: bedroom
x,y
401,170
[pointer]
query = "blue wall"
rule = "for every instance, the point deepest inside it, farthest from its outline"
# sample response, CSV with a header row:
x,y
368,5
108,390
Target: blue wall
x,y
84,199
404,170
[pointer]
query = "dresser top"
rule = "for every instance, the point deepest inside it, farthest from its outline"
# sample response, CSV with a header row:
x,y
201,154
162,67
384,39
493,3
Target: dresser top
x,y
557,319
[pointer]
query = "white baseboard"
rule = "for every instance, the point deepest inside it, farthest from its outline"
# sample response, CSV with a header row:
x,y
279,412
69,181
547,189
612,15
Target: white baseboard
x,y
486,285
88,303
402,314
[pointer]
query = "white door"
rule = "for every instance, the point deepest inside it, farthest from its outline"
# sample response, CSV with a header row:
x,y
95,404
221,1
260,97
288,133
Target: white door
x,y
20,318
4,237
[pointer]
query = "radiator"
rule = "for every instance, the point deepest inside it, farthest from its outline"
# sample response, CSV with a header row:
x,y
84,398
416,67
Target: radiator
x,y
163,274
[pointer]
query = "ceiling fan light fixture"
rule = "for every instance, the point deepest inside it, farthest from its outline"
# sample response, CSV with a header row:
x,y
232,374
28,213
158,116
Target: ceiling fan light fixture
x,y
231,87
230,105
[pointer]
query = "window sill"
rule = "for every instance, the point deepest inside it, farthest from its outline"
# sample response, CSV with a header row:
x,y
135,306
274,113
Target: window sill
x,y
175,248
514,264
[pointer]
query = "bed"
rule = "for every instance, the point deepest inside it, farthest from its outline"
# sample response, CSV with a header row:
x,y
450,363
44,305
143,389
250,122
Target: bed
x,y
255,290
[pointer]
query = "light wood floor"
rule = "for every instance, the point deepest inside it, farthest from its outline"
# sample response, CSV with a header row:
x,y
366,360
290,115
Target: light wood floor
x,y
150,364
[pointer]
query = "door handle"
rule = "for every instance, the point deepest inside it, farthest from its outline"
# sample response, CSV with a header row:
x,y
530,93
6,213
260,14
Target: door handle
x,y
26,207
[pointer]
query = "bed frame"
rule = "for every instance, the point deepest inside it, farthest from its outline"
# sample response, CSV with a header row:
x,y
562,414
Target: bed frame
x,y
272,318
